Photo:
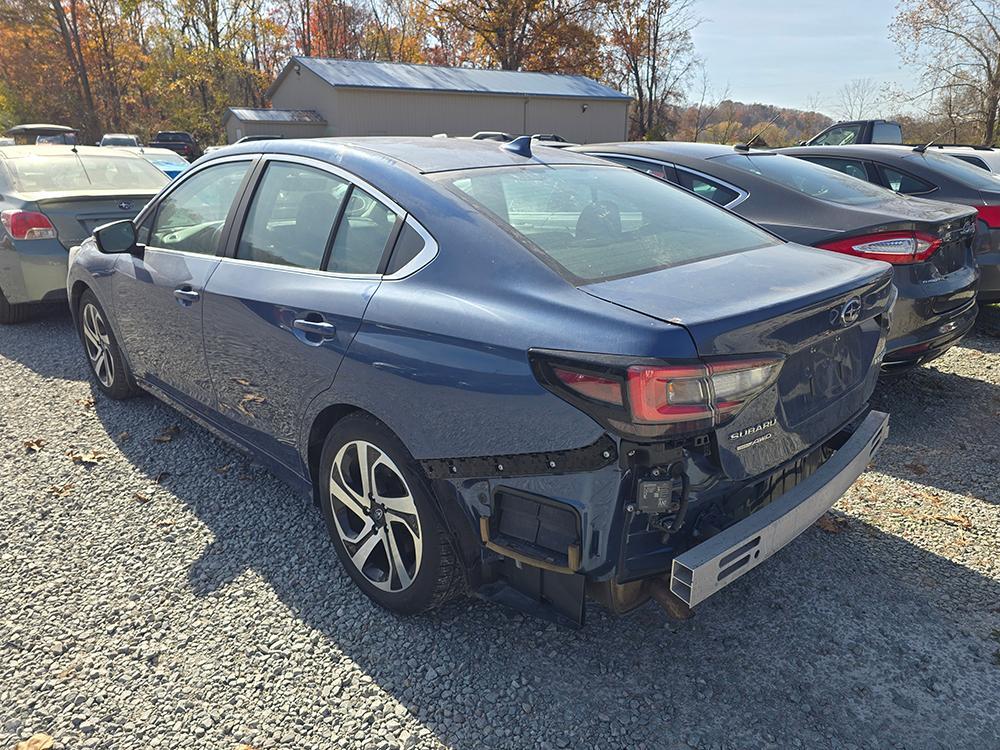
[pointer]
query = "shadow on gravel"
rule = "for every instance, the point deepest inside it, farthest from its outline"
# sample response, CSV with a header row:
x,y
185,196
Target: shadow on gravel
x,y
856,639
944,429
43,343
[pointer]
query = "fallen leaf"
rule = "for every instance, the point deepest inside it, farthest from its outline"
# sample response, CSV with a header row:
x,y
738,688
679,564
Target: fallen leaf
x,y
166,522
242,381
123,436
61,490
140,497
241,746
168,434
87,402
918,469
37,741
87,458
831,524
250,398
223,470
34,445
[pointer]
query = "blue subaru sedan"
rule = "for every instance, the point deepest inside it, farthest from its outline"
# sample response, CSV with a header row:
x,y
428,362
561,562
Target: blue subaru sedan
x,y
536,376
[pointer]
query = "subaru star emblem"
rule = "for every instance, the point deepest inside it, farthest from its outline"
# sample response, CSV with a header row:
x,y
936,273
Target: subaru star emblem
x,y
846,314
125,205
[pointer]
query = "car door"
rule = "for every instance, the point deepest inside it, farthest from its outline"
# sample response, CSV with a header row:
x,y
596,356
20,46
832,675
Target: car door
x,y
158,296
284,305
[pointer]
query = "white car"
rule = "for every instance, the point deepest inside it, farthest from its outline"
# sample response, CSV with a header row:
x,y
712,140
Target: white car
x,y
983,157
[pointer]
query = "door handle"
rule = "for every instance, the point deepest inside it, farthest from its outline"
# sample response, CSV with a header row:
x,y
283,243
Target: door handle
x,y
186,294
316,327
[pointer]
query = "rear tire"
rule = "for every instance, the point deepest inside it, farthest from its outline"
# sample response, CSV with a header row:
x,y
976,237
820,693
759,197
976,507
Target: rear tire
x,y
108,367
381,517
10,314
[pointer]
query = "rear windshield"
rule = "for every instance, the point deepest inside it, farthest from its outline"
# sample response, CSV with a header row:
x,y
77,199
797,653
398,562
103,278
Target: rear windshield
x,y
40,173
596,223
961,171
173,137
119,140
809,179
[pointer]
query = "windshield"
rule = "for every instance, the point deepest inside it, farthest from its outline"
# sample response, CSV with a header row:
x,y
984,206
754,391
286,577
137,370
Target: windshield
x,y
596,223
39,173
962,172
809,179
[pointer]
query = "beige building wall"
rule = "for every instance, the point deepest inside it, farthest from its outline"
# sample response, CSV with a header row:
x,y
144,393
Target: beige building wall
x,y
236,129
398,112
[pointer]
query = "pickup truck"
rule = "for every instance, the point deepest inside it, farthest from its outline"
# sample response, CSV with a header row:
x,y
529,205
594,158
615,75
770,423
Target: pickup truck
x,y
179,141
858,131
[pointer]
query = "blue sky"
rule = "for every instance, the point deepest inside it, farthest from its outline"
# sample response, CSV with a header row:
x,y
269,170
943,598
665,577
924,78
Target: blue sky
x,y
786,52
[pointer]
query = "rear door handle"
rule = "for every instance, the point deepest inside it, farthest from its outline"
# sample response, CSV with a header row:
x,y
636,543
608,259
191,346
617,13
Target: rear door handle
x,y
186,294
316,327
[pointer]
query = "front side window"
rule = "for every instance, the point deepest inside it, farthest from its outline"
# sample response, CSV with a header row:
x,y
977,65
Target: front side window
x,y
706,188
806,178
841,135
595,223
850,167
292,216
901,182
191,217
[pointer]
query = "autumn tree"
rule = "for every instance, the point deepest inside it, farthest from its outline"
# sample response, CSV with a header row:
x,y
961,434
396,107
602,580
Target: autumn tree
x,y
652,53
957,44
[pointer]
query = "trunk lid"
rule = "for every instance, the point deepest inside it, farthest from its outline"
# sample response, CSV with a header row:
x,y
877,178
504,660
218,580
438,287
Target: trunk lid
x,y
786,300
75,217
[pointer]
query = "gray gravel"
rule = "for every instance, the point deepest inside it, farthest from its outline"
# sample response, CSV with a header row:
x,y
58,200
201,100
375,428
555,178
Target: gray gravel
x,y
172,595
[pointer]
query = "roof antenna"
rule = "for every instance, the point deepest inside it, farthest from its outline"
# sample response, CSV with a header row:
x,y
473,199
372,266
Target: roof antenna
x,y
931,142
746,146
520,146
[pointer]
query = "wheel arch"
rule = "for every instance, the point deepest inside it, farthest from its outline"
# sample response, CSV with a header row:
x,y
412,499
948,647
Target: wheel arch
x,y
75,293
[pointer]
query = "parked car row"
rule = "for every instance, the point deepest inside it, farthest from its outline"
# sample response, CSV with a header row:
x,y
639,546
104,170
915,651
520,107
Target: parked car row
x,y
623,371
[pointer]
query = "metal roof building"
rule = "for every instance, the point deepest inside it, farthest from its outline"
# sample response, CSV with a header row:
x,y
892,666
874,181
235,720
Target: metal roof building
x,y
290,123
351,97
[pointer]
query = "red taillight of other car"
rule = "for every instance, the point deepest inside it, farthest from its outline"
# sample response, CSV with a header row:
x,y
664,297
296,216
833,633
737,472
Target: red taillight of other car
x,y
991,215
892,247
27,225
659,399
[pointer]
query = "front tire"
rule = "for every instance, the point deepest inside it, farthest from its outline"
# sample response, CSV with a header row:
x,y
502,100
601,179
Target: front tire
x,y
382,519
107,365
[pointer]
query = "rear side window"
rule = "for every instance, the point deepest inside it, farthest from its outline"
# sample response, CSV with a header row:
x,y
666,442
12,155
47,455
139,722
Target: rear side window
x,y
408,246
902,182
706,188
973,160
595,223
887,132
191,218
850,167
292,216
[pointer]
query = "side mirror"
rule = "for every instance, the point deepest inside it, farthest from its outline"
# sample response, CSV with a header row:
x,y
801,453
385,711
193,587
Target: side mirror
x,y
116,237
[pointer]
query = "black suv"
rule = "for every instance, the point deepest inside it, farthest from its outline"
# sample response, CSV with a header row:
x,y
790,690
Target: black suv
x,y
179,141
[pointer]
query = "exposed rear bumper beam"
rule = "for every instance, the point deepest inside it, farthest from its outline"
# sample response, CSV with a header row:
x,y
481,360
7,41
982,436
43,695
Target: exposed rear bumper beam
x,y
720,560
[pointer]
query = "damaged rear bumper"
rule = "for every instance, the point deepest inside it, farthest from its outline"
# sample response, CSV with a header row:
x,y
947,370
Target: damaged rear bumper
x,y
715,563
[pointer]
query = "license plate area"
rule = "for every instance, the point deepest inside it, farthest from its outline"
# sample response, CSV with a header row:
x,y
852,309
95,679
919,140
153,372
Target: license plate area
x,y
822,372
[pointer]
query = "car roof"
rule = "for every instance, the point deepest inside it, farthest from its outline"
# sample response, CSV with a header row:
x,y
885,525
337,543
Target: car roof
x,y
661,149
420,154
58,149
858,150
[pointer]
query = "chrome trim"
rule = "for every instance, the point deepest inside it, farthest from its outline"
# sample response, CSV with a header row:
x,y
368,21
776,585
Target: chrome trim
x,y
297,269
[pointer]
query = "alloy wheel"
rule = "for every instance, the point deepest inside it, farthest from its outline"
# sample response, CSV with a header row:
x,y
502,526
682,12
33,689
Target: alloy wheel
x,y
375,516
98,344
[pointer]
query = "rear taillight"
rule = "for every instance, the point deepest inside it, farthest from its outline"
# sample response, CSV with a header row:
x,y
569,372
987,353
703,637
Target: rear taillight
x,y
27,225
892,247
659,399
991,215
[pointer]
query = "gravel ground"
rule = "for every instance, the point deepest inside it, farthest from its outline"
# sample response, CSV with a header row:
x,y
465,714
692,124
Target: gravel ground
x,y
165,593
